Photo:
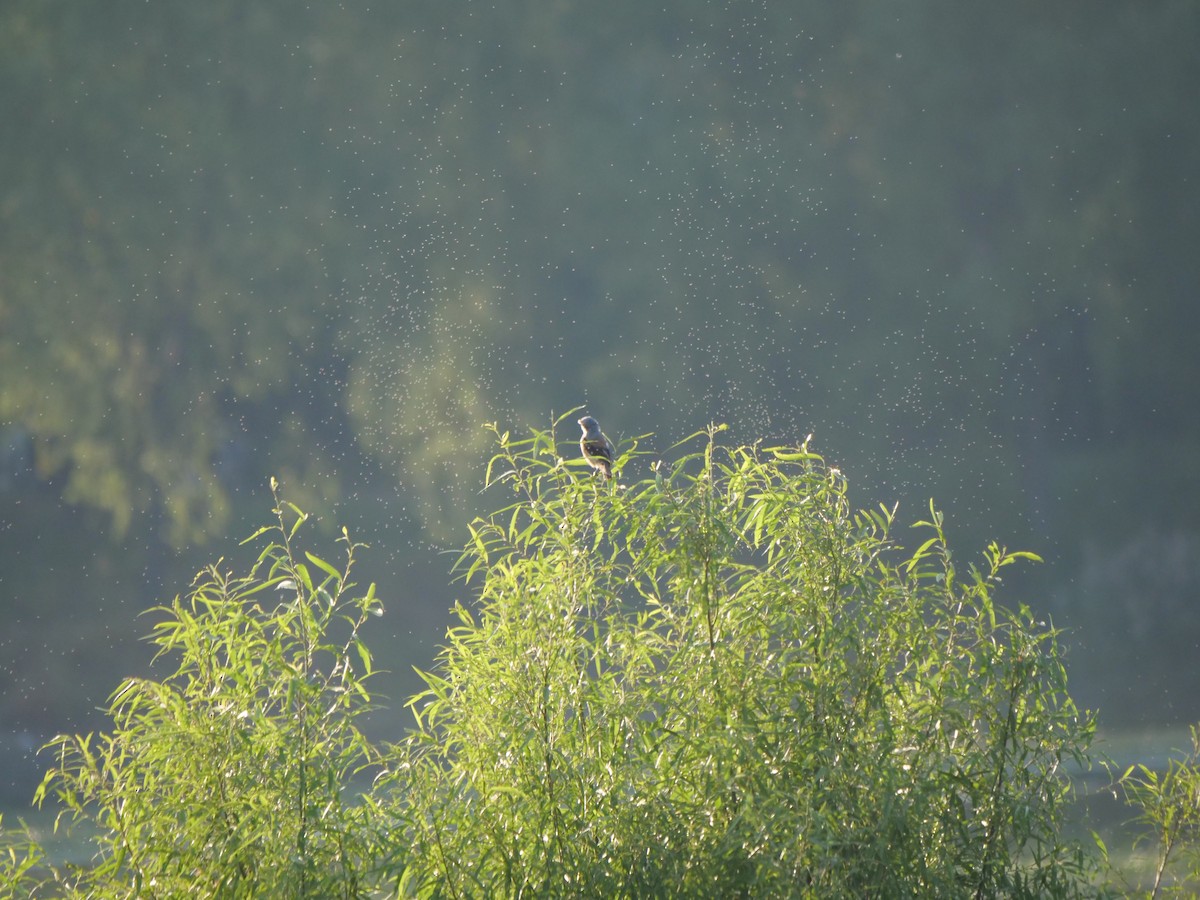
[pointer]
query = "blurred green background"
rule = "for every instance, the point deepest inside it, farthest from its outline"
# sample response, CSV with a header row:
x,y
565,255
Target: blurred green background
x,y
957,244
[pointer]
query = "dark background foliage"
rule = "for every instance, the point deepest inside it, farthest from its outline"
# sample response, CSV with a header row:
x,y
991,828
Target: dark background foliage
x,y
328,243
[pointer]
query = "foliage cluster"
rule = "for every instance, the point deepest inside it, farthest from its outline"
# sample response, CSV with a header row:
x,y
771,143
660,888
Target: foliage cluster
x,y
719,680
1169,806
234,774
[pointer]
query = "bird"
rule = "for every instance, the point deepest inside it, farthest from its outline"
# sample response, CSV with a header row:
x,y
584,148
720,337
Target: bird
x,y
597,449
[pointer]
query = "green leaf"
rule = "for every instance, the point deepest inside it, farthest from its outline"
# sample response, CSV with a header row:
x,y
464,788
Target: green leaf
x,y
323,566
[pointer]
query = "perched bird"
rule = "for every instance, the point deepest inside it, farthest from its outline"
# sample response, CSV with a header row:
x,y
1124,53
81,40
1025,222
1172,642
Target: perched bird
x,y
597,449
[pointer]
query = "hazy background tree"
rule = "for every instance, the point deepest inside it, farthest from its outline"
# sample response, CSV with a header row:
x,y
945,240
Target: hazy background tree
x,y
327,244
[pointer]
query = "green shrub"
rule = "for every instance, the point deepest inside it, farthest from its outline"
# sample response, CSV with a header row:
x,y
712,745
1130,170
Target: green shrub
x,y
1169,806
718,681
231,777
721,681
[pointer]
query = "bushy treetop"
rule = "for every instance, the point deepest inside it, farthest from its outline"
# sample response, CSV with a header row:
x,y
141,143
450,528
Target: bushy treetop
x,y
716,680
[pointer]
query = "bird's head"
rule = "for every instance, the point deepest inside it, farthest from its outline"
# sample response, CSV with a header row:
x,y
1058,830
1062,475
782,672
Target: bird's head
x,y
589,425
